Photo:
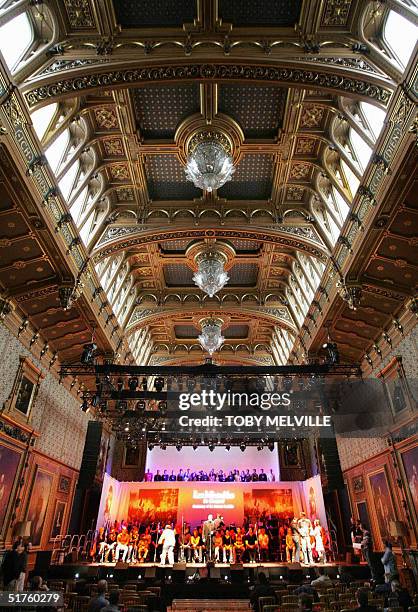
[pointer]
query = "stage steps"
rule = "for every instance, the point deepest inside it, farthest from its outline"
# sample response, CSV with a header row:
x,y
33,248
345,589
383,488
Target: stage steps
x,y
209,605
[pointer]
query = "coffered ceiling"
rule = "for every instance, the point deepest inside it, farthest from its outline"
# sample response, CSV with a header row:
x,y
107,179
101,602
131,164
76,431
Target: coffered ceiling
x,y
278,74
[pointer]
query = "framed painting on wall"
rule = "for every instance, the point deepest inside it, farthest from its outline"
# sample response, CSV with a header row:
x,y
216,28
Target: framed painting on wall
x,y
382,502
64,484
410,465
358,484
58,520
9,464
25,388
38,504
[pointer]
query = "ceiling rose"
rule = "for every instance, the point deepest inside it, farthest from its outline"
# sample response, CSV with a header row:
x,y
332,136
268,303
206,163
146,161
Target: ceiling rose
x,y
211,338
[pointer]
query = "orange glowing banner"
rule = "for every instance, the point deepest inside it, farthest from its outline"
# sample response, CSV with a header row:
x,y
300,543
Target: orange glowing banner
x,y
170,502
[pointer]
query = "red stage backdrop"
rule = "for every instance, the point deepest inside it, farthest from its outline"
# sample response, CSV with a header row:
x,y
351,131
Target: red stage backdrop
x,y
193,501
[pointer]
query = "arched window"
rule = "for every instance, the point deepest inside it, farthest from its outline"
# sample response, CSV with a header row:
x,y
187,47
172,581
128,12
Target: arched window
x,y
361,149
16,36
67,182
351,178
42,118
400,35
56,150
372,118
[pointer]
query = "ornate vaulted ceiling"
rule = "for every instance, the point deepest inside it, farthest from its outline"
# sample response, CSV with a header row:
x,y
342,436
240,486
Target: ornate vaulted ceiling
x,y
130,80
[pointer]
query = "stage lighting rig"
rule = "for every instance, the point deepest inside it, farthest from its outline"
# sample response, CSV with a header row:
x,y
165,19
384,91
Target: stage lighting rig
x,y
140,406
195,446
133,382
270,446
119,384
163,446
144,384
179,446
243,446
159,384
162,406
150,446
211,447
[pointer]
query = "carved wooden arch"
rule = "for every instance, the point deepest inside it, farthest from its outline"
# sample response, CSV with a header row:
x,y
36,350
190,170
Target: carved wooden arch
x,y
279,235
371,88
159,314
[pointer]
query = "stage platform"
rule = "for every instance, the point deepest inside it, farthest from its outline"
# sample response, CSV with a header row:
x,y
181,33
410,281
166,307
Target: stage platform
x,y
124,572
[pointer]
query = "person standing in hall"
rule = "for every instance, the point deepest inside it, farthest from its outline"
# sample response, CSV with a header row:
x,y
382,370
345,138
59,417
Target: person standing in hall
x,y
250,541
168,540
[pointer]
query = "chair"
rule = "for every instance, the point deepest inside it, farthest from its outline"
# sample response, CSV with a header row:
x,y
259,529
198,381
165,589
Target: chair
x,y
265,601
81,603
291,599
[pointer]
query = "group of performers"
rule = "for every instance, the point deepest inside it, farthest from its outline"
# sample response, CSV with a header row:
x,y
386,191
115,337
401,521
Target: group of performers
x,y
211,476
304,541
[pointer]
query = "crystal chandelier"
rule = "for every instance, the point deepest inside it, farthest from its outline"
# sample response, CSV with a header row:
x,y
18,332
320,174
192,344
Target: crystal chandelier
x,y
211,338
209,163
211,275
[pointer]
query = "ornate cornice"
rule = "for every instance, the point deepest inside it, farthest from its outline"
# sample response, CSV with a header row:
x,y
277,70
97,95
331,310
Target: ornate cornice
x,y
120,238
249,72
141,317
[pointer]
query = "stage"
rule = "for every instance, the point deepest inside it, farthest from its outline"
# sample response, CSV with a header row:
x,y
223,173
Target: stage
x,y
179,572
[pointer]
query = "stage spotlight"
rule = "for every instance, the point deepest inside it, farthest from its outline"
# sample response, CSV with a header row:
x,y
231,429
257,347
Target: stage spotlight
x,y
179,447
159,384
88,353
211,447
84,406
260,447
243,446
144,384
162,406
150,446
195,446
227,447
133,383
270,446
76,576
163,446
287,383
126,427
119,384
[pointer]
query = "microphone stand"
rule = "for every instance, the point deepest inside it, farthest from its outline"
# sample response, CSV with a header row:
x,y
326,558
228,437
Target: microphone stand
x,y
156,542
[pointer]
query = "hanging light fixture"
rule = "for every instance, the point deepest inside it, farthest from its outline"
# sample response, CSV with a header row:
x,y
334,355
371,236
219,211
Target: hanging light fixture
x,y
209,161
211,338
211,276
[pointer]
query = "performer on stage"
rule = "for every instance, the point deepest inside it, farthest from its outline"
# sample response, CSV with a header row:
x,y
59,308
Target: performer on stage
x,y
228,547
217,544
305,528
143,546
122,544
263,544
133,545
196,546
250,541
207,535
290,547
296,538
239,545
168,540
318,533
